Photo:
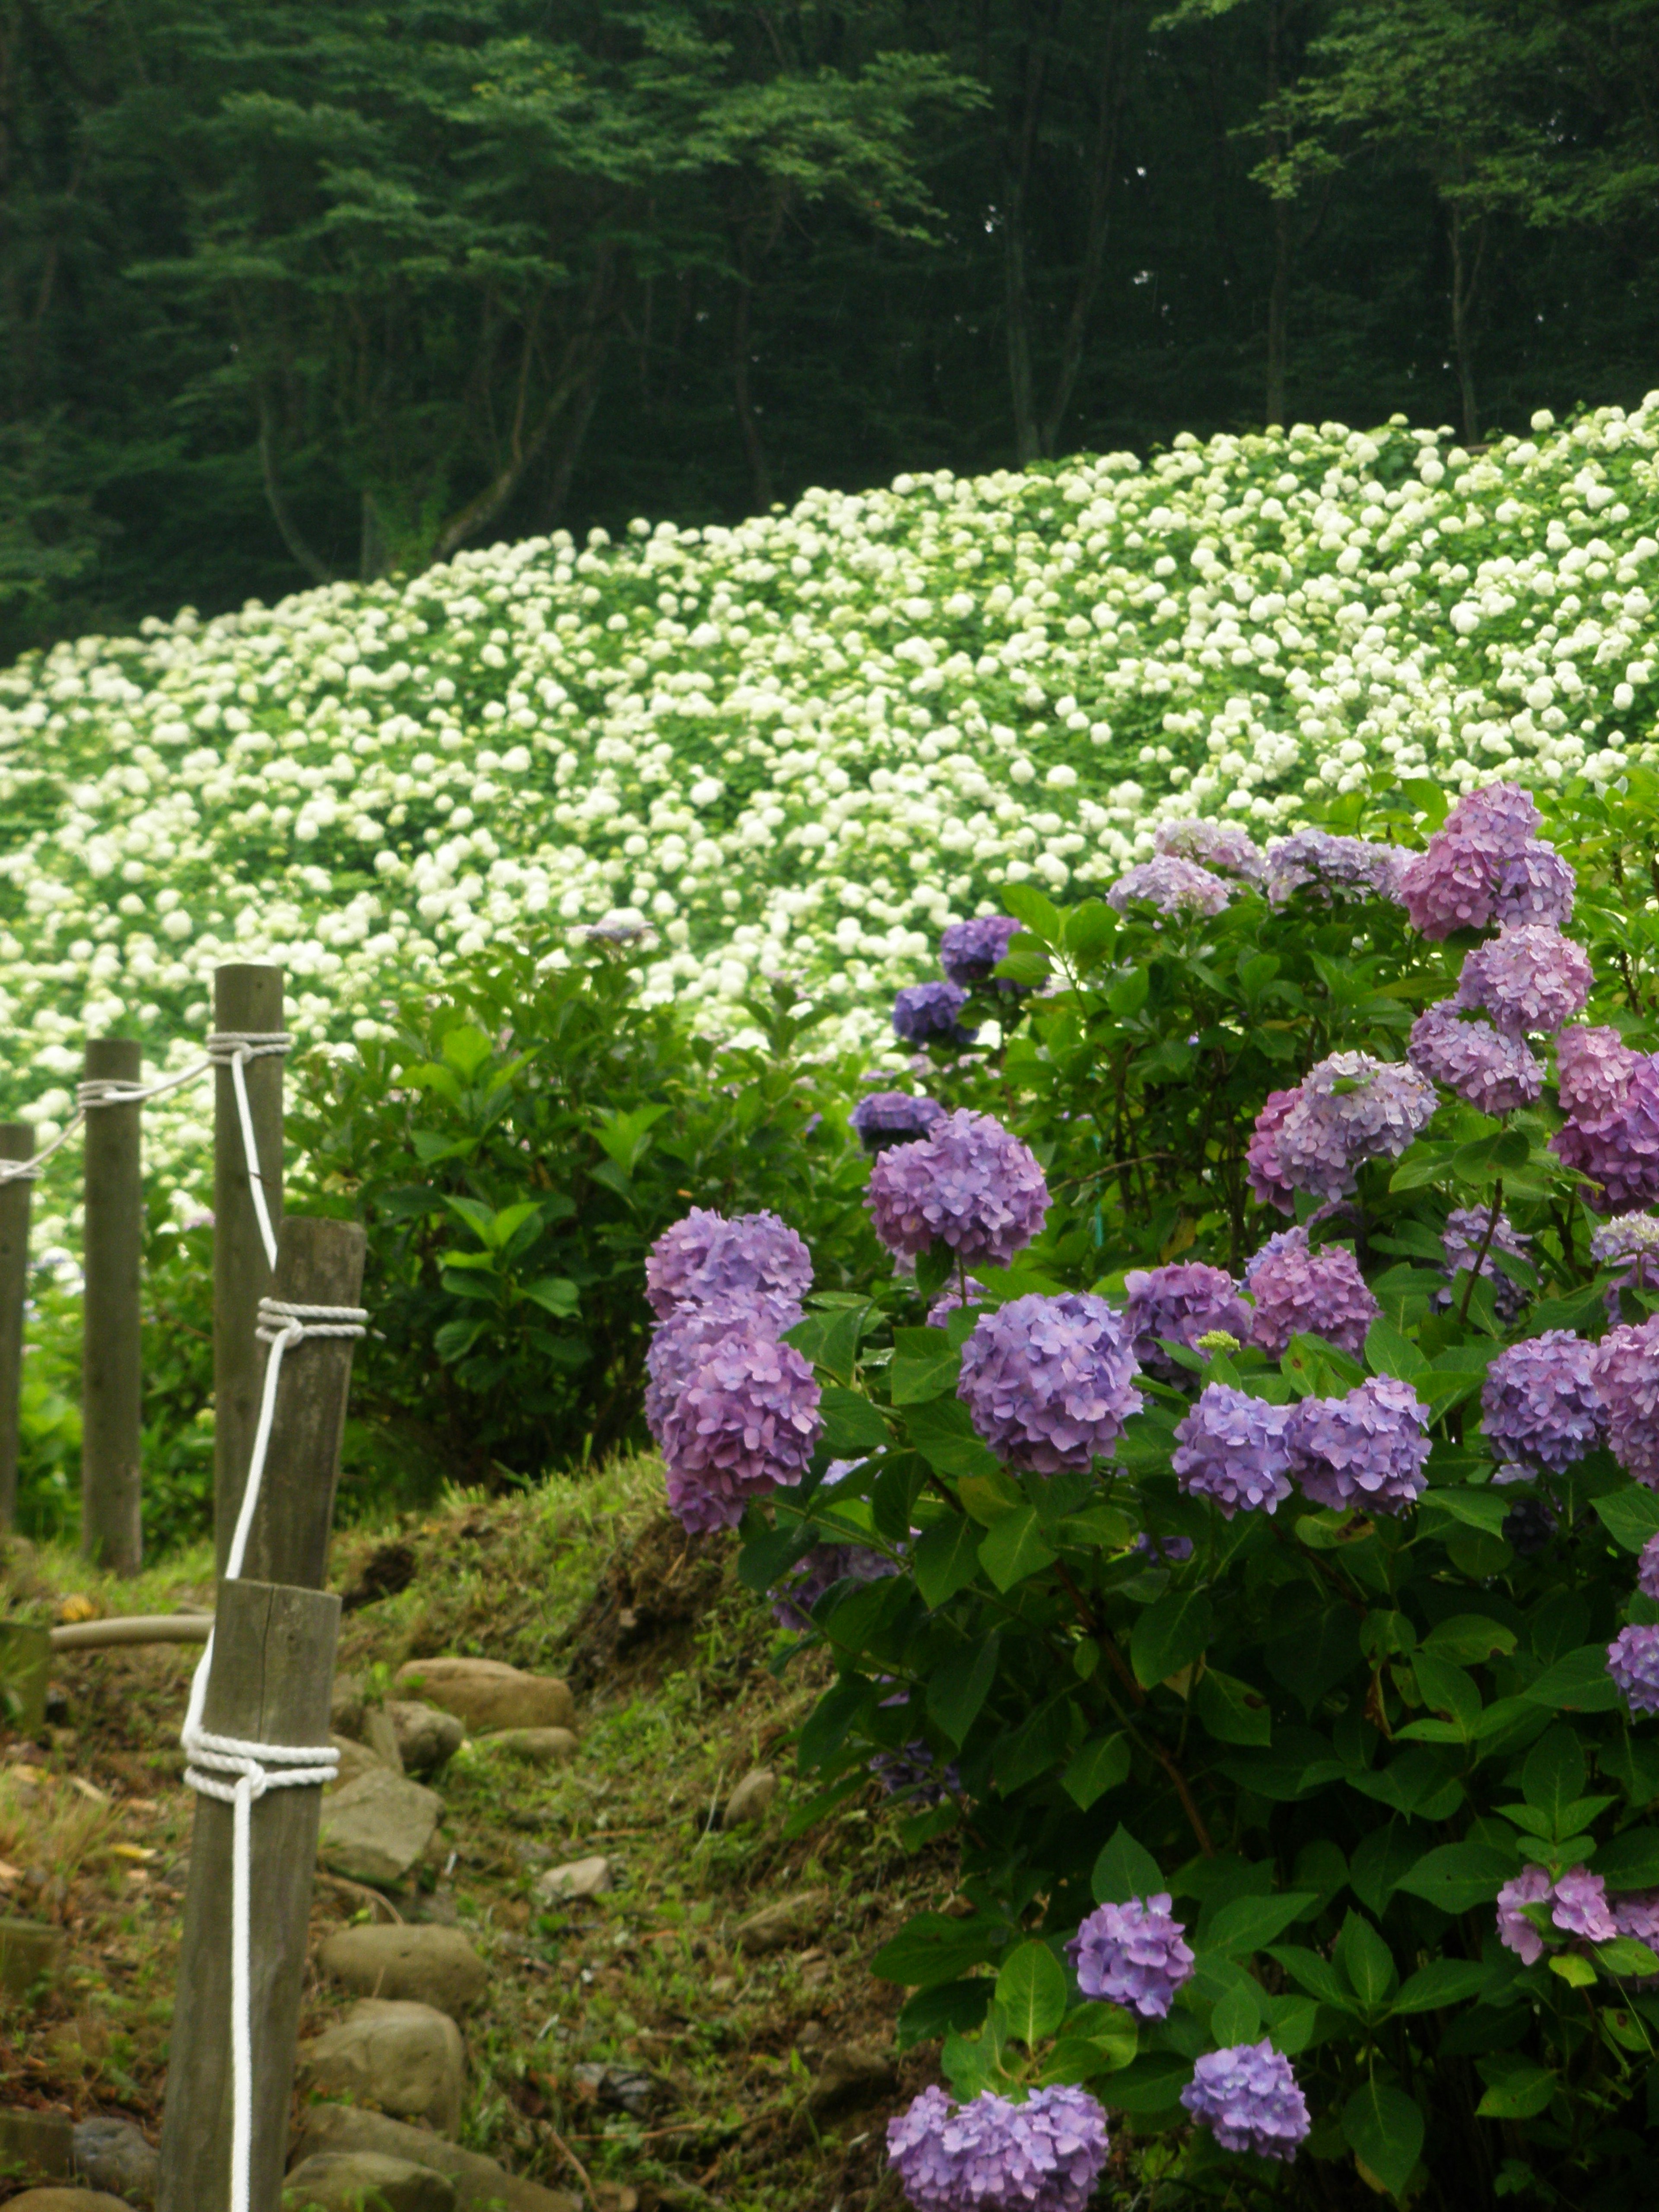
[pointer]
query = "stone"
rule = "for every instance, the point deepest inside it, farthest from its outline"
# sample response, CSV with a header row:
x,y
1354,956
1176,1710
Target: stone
x,y
365,2181
776,1927
345,1707
539,1746
29,1951
380,1733
560,1885
406,2059
478,2180
116,2155
427,1736
356,1759
751,1801
65,2200
487,1694
625,2088
419,1965
378,1826
852,2074
37,2146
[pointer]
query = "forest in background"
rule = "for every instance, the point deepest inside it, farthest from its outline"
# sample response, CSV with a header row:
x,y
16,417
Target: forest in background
x,y
324,290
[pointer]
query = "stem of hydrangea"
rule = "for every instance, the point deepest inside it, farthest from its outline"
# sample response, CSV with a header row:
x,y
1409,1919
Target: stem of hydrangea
x,y
1485,1247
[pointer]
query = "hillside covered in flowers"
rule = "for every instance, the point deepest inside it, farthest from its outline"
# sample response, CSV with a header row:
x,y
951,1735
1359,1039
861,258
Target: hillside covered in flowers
x,y
807,745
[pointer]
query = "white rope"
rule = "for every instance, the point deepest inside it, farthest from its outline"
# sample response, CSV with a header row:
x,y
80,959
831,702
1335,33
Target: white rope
x,y
213,1760
234,1048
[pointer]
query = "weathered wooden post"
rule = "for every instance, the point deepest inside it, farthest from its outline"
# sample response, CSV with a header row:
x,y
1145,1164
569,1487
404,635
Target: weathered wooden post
x,y
16,1143
248,1001
272,1674
112,1387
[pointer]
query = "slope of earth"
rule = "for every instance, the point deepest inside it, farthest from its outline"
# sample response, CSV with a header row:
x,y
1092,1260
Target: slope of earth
x,y
631,2031
802,744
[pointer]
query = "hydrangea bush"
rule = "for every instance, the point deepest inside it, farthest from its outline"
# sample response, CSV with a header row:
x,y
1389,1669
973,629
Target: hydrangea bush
x,y
1272,1619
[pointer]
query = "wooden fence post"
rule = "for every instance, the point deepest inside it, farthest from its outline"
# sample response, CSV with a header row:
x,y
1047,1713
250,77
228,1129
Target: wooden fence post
x,y
273,1672
248,999
16,1143
112,1385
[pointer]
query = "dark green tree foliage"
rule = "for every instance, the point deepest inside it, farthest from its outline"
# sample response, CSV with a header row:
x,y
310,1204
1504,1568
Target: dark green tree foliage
x,y
317,290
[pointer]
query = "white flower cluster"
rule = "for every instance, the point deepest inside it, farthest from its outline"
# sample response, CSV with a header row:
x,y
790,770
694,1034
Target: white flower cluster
x,y
803,745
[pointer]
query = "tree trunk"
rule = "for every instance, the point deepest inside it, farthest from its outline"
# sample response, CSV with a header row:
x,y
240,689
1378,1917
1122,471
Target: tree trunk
x,y
1465,287
1103,159
317,569
570,448
760,475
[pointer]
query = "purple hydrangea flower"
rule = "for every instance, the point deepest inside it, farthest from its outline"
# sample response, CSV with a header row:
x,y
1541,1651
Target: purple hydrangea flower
x,y
968,950
1181,1303
1528,978
1170,1551
1638,1914
927,1013
1050,1382
1232,1448
1503,818
681,1344
1633,1238
1612,1134
1464,1239
1172,885
1633,1663
1347,1109
1367,1450
1493,1072
1580,1907
1540,1406
990,2156
746,1423
823,1567
969,1186
887,1118
1248,2097
1451,884
1625,1373
705,1258
950,1298
1593,1072
1536,885
1532,1886
1301,1292
1647,1569
1352,865
1270,1184
1224,847
1486,865
914,1773
1132,1956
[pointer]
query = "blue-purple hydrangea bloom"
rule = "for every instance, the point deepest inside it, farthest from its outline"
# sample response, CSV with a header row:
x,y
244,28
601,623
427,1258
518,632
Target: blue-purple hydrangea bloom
x,y
1132,1954
1172,885
957,1293
1270,1182
1632,1239
1224,847
1348,1108
1179,1304
1299,1293
705,1257
1367,1450
928,1013
1231,1449
1611,1094
1353,866
681,1344
969,1186
1248,2097
968,950
1494,1072
886,1118
1633,1663
1577,1904
1527,980
990,2156
1486,866
744,1423
1471,1240
1625,1371
1048,1382
823,1567
1647,1569
1540,1406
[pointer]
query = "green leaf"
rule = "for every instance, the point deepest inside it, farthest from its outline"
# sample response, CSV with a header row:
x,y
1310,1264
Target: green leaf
x,y
1124,1870
1040,915
1152,2084
1469,1638
466,1050
555,1293
1519,2088
830,1722
1128,994
1578,1973
830,1341
1313,1971
1231,1710
1629,1861
1627,1958
947,1559
1504,1152
1169,1635
958,1689
1101,1765
1250,1923
1090,930
1015,1548
479,1217
852,1426
1366,1961
1486,1509
1383,2128
627,1137
1448,1692
1554,1776
1579,1683
947,2009
1390,1352
1630,1516
932,1947
1033,1747
943,1433
924,1365
1442,1983
1031,1993
1237,2017
1457,1875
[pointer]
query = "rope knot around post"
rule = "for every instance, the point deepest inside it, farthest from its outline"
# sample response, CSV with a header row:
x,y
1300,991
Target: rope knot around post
x,y
227,1046
111,1090
21,1170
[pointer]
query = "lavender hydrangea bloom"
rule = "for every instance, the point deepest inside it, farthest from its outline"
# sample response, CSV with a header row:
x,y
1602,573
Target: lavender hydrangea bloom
x,y
705,1257
1050,1381
1132,1956
1367,1450
1536,885
1503,818
1352,865
951,1297
1637,1914
1647,1569
1532,1886
1612,1134
1493,1072
1168,1551
1347,1109
1633,1663
1528,978
1465,1241
1270,1184
824,1565
990,2156
1302,1292
969,1186
887,1118
914,1773
1451,884
1593,1072
746,1423
1232,1448
1633,1238
927,1013
1181,1303
1486,865
1625,1373
1539,1405
1224,847
1172,885
681,1344
1580,1906
968,950
1248,2097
